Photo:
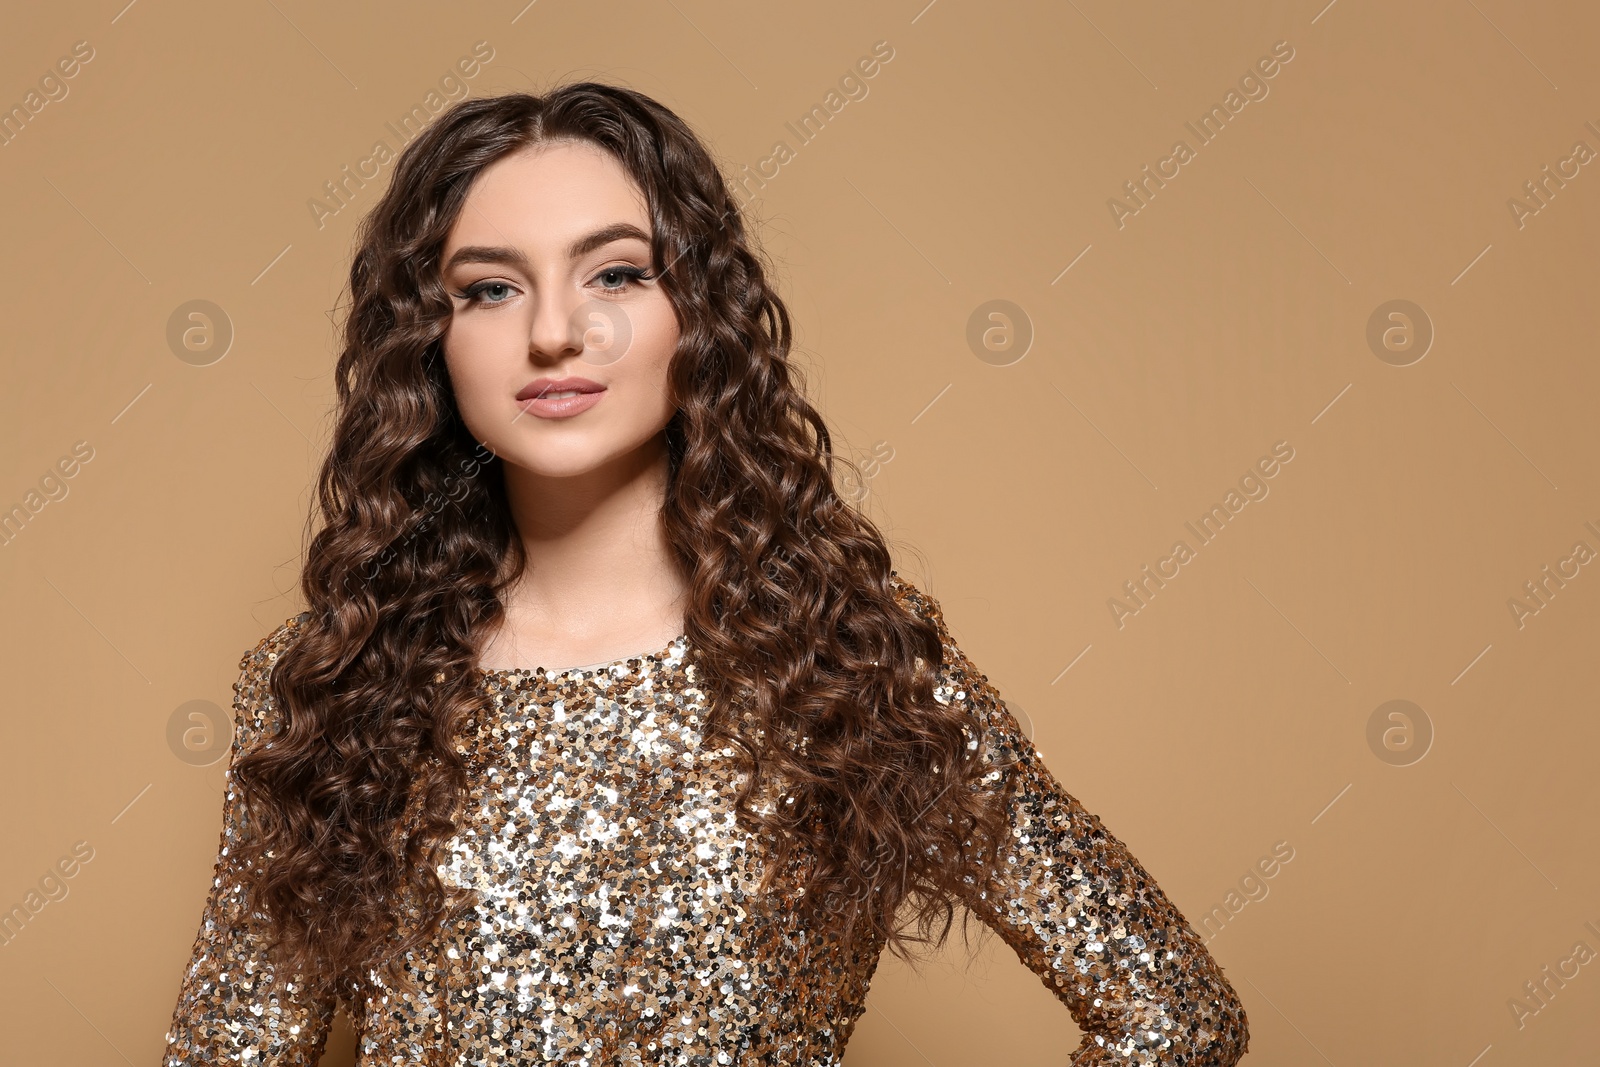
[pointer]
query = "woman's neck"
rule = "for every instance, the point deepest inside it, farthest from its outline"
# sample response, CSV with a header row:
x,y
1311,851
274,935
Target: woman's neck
x,y
600,573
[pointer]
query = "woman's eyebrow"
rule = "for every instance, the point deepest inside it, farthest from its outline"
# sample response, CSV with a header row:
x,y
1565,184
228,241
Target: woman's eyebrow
x,y
587,243
617,231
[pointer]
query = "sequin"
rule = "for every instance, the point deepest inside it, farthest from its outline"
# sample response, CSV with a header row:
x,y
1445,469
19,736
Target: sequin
x,y
615,919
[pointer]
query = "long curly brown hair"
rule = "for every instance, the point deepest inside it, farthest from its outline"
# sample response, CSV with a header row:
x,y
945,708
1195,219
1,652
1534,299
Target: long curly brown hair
x,y
792,611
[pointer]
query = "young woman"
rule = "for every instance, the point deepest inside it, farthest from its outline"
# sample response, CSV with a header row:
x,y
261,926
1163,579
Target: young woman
x,y
467,806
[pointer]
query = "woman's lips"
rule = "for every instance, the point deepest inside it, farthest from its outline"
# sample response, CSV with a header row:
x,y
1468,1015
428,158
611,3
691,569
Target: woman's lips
x,y
561,407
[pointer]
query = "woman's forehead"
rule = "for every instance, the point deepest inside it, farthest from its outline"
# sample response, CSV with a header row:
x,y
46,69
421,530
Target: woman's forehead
x,y
549,194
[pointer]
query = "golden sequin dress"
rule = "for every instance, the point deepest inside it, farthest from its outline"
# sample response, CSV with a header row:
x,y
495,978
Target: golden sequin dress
x,y
616,921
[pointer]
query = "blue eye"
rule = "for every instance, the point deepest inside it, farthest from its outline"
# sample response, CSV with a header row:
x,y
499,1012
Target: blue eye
x,y
624,276
474,294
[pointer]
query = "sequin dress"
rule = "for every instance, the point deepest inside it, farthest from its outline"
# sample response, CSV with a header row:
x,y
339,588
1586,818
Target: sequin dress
x,y
616,921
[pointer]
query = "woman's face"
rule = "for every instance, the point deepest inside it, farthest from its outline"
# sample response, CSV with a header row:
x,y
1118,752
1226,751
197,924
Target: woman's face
x,y
548,268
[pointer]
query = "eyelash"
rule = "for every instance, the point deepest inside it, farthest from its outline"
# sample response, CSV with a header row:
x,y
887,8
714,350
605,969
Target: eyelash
x,y
473,294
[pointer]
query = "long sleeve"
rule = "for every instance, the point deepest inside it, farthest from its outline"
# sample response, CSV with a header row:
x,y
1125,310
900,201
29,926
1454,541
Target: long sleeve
x,y
1081,912
234,1007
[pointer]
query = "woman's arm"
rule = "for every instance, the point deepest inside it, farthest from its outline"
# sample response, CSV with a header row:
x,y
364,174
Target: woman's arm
x,y
1082,913
234,1006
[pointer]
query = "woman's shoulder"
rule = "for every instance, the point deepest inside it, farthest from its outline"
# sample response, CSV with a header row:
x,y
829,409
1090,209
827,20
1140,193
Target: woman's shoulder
x,y
911,596
252,695
959,668
926,606
265,652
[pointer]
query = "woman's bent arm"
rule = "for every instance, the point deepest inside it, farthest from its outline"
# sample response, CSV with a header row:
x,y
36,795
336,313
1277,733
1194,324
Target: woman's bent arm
x,y
1082,913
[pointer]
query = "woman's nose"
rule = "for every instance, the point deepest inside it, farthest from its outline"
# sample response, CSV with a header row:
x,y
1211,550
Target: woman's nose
x,y
553,333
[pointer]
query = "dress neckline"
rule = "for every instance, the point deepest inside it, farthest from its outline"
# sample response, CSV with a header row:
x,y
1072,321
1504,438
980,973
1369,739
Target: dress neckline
x,y
658,656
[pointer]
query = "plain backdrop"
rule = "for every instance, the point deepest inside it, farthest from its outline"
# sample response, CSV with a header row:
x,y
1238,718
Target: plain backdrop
x,y
1025,466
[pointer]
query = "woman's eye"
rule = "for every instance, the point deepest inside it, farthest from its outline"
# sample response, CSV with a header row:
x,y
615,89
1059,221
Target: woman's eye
x,y
616,279
488,293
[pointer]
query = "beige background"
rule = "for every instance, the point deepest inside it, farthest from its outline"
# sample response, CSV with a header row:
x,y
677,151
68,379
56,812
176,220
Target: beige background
x,y
1230,313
